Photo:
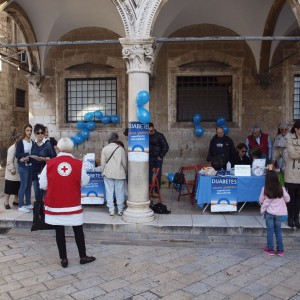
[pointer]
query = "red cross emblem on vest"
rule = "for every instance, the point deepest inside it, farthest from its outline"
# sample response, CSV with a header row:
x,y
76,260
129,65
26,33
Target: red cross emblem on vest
x,y
64,169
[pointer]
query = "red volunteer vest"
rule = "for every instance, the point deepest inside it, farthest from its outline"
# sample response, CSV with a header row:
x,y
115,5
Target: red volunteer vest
x,y
64,185
263,147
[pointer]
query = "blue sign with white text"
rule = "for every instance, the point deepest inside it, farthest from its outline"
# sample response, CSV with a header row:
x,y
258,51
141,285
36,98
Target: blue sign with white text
x,y
94,191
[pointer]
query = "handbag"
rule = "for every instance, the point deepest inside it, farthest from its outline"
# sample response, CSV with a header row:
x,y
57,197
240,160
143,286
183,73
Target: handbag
x,y
38,222
179,177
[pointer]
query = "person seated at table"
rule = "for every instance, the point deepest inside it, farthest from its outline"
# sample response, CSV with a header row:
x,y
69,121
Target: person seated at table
x,y
241,158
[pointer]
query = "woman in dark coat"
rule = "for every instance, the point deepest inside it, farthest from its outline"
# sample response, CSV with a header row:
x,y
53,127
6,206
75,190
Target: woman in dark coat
x,y
240,157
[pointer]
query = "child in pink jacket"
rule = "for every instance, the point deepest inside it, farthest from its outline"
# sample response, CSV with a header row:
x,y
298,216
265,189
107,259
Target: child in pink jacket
x,y
273,199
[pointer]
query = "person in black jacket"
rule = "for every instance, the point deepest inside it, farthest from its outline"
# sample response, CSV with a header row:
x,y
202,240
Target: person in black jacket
x,y
221,146
240,157
158,148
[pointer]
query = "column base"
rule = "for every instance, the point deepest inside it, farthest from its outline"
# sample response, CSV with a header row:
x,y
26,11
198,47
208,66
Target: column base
x,y
138,212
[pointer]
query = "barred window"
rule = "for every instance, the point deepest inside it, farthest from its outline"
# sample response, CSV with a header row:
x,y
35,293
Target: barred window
x,y
88,95
210,96
296,112
20,98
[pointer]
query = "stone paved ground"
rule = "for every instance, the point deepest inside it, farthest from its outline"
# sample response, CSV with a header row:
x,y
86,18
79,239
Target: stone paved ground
x,y
212,267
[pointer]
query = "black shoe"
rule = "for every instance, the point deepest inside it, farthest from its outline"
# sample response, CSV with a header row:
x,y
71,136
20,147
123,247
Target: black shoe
x,y
291,222
15,203
7,206
64,262
87,259
296,221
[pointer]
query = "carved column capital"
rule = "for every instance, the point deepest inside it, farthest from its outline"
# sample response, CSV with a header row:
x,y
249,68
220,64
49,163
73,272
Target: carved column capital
x,y
138,54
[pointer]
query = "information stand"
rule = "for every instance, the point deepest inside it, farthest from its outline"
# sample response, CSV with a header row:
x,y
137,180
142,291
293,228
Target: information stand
x,y
94,192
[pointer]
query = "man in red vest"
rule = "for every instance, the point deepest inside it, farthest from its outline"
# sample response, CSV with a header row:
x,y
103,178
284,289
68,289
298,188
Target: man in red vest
x,y
261,141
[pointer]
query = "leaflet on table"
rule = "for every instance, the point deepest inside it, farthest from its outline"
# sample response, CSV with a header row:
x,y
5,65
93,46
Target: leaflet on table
x,y
89,162
94,192
223,194
242,170
138,142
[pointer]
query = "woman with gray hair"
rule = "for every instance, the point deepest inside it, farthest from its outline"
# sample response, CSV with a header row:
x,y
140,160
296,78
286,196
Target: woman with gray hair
x,y
114,169
279,152
62,178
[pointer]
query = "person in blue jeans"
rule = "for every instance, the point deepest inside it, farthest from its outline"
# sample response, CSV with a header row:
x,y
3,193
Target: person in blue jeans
x,y
23,151
273,198
41,152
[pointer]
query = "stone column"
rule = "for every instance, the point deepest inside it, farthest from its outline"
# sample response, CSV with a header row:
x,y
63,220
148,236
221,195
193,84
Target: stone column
x,y
138,55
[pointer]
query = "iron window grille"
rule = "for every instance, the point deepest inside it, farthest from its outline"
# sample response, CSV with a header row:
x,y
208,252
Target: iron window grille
x,y
20,98
296,112
210,96
88,95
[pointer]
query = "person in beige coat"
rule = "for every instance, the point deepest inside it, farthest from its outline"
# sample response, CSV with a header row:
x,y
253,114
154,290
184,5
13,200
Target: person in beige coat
x,y
114,169
292,175
12,179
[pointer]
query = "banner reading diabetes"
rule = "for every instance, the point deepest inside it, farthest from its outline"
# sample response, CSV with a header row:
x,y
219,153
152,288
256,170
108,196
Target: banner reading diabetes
x,y
223,194
138,141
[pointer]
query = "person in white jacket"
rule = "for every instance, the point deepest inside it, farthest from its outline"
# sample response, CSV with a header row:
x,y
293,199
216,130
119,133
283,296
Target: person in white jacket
x,y
114,169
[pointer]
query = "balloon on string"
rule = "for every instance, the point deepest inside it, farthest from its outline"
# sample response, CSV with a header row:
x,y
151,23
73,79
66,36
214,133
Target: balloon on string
x,y
142,98
88,116
98,114
79,138
197,119
90,125
115,119
225,128
106,119
221,121
73,140
199,131
143,115
80,125
85,133
171,177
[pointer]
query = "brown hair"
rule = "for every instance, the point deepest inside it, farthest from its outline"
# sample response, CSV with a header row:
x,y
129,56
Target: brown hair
x,y
273,188
24,130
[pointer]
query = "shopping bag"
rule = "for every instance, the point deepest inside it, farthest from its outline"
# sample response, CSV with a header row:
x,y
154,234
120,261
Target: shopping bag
x,y
178,177
38,222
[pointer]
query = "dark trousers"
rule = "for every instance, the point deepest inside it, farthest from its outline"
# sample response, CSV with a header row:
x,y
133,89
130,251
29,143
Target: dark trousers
x,y
294,205
155,163
61,241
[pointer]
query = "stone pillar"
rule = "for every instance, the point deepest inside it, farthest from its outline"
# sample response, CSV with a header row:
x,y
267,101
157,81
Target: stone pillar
x,y
138,55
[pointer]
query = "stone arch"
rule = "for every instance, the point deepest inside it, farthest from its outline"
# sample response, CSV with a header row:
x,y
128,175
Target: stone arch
x,y
19,16
138,16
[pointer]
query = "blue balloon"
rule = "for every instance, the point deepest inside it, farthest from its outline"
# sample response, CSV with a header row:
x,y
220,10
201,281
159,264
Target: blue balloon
x,y
106,119
221,121
80,125
197,119
74,141
115,119
199,131
85,133
225,128
143,115
88,116
98,114
90,125
171,177
79,138
142,98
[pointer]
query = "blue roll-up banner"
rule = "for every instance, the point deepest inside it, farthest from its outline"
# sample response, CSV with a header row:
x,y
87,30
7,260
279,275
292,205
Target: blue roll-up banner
x,y
94,191
223,194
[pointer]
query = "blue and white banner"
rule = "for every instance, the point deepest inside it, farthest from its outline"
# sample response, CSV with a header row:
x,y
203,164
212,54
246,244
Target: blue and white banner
x,y
94,192
223,194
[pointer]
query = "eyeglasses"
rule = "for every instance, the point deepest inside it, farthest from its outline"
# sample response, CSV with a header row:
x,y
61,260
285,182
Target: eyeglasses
x,y
151,130
243,151
39,132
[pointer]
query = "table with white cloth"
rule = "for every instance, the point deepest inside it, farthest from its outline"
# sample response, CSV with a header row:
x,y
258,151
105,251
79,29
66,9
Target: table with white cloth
x,y
248,189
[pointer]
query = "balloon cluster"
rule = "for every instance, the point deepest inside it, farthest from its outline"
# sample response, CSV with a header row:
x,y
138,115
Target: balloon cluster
x,y
143,115
221,121
89,125
199,130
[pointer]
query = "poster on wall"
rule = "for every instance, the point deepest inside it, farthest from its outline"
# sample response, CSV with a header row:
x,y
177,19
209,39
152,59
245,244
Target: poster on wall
x,y
223,194
138,142
94,192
